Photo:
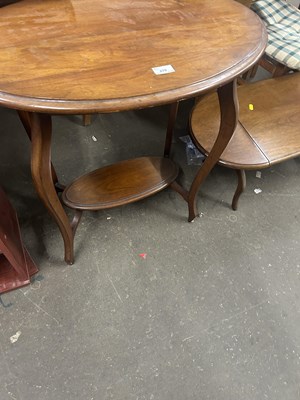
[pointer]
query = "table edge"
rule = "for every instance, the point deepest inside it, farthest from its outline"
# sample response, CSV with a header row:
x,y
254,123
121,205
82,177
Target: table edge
x,y
56,106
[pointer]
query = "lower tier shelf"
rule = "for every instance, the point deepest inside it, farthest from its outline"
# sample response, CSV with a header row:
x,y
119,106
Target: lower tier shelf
x,y
120,183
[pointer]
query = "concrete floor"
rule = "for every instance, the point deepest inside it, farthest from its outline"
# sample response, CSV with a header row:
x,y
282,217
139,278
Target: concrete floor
x,y
212,312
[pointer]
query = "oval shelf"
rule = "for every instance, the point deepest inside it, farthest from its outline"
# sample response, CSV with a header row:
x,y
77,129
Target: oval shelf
x,y
120,183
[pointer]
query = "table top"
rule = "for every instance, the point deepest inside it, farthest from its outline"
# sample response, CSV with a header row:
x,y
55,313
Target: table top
x,y
266,134
68,56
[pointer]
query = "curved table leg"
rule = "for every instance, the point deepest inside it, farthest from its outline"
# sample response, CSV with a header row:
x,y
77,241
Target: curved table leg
x,y
240,188
25,119
229,114
41,128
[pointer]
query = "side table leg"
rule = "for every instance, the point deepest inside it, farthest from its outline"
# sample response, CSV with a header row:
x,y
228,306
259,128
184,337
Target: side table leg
x,y
241,175
229,115
170,129
41,128
25,119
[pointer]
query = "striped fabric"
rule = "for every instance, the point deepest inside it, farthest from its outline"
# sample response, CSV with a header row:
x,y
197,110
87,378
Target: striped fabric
x,y
283,25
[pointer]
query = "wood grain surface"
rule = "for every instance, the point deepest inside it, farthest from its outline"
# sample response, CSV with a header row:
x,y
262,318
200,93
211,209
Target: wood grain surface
x,y
120,183
66,56
267,134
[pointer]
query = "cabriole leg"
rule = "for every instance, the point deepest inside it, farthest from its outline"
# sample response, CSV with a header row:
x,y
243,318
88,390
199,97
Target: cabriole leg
x,y
41,130
229,115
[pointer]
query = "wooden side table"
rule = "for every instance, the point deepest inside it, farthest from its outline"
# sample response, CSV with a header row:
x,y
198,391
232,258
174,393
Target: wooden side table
x,y
16,265
86,57
267,131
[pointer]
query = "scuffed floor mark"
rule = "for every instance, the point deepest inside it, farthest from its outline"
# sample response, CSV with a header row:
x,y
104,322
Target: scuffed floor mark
x,y
115,289
38,307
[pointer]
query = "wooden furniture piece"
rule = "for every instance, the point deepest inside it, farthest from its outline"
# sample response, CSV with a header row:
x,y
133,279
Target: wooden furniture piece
x,y
84,57
266,135
16,266
135,179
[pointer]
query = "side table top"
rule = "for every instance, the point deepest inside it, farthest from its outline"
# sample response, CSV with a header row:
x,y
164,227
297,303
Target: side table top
x,y
266,134
68,56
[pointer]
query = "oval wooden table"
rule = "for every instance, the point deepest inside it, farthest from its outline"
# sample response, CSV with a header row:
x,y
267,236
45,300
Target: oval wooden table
x,y
91,56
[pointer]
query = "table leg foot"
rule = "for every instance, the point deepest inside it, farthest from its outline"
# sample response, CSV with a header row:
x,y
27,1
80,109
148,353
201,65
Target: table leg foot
x,y
43,179
193,210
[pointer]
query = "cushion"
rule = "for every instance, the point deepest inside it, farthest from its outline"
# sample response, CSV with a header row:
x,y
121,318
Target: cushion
x,y
282,21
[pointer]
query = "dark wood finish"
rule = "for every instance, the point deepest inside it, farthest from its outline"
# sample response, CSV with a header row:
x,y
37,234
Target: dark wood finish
x,y
170,128
228,121
97,56
120,183
87,119
274,124
274,67
84,57
16,266
25,119
4,3
205,121
265,136
42,177
241,175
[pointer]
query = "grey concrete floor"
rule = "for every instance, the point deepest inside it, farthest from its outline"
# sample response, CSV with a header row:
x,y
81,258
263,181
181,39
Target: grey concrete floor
x,y
212,312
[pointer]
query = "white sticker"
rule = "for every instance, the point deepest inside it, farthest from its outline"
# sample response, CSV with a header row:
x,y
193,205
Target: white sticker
x,y
164,69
